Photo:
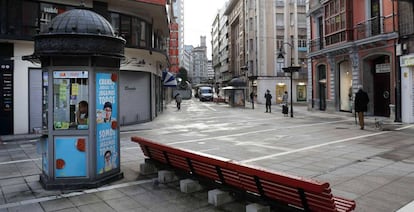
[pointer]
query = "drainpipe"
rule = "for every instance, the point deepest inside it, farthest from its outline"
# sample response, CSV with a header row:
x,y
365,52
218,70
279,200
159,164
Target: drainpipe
x,y
397,70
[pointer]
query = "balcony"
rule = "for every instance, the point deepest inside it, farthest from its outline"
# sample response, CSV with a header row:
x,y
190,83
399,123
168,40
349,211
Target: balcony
x,y
374,26
370,29
316,44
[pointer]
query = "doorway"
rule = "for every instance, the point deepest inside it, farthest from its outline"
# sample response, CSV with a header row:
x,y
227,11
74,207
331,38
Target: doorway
x,y
382,94
381,70
345,86
322,87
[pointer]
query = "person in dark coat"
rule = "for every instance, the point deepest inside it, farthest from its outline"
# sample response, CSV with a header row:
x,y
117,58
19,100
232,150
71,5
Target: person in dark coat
x,y
252,99
268,98
361,105
178,100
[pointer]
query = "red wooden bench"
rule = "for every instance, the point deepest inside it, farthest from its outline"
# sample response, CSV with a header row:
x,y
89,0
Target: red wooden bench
x,y
301,193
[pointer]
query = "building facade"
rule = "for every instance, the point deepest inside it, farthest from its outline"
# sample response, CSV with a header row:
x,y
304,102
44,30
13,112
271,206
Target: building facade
x,y
405,52
353,43
178,6
276,29
257,33
236,39
146,57
187,58
199,72
220,48
173,48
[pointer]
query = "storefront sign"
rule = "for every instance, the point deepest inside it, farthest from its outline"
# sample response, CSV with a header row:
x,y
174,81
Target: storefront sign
x,y
382,68
50,10
408,61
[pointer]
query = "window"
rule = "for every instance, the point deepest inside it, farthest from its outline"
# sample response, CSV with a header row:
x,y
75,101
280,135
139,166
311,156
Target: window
x,y
115,22
29,18
280,19
335,22
126,28
70,100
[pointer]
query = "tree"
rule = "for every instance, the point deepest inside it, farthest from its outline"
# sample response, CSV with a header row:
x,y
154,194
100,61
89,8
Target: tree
x,y
183,74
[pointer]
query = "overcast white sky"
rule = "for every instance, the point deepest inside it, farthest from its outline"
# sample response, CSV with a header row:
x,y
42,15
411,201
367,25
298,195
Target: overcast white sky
x,y
198,18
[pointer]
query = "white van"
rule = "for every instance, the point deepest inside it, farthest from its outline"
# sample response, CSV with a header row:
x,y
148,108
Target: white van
x,y
205,93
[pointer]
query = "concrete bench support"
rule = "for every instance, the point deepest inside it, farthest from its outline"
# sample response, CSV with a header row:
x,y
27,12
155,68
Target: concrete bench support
x,y
165,176
257,208
218,197
189,186
147,169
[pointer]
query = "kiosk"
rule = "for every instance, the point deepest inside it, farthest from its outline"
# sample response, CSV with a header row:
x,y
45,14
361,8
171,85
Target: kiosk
x,y
235,91
80,57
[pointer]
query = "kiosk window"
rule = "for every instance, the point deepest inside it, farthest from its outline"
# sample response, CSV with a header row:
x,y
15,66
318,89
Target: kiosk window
x,y
70,100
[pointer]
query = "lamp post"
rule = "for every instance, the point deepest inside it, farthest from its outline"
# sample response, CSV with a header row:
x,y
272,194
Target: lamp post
x,y
290,69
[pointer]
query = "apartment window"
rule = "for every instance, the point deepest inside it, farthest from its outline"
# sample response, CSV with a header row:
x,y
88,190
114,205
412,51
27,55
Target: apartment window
x,y
335,22
301,2
115,22
280,19
280,3
302,43
126,28
138,36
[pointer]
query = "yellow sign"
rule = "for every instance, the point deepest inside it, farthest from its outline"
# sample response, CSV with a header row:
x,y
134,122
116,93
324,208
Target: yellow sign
x,y
75,89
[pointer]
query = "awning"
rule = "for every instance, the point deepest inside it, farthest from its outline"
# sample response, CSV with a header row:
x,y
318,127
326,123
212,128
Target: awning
x,y
168,79
232,88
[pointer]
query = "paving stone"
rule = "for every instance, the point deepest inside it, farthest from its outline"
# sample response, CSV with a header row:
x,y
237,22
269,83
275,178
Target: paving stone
x,y
96,207
58,204
123,203
27,208
110,194
84,199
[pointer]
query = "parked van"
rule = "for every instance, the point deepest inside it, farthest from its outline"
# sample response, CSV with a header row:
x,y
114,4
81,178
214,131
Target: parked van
x,y
205,93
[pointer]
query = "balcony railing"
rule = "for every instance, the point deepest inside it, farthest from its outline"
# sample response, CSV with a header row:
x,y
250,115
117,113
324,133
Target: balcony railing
x,y
316,44
374,26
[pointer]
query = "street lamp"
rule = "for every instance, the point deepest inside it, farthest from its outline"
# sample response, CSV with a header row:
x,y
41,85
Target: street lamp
x,y
291,69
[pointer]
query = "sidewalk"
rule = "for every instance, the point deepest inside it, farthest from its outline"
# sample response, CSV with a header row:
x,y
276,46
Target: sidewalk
x,y
299,110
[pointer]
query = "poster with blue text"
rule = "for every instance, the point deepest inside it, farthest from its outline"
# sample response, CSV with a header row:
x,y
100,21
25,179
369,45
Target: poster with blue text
x,y
107,157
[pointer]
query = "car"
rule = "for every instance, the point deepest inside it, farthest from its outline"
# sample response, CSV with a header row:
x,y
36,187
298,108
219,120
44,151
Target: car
x,y
205,93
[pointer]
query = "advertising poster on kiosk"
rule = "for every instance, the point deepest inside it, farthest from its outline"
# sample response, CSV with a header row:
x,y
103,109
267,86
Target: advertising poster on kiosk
x,y
106,124
70,156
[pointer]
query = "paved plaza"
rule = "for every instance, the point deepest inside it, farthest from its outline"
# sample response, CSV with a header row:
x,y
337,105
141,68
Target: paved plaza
x,y
373,167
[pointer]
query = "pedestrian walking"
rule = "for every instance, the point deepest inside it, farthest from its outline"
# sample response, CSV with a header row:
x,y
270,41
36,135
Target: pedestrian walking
x,y
268,98
178,100
252,99
361,105
285,98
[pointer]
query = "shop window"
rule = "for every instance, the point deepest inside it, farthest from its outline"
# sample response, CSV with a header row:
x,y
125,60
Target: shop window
x,y
301,92
70,100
